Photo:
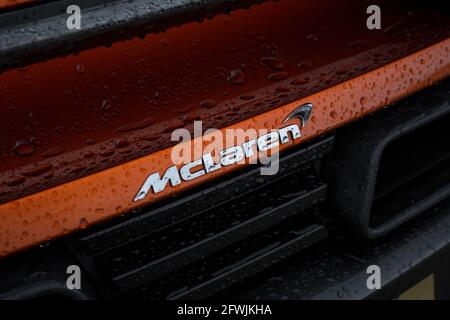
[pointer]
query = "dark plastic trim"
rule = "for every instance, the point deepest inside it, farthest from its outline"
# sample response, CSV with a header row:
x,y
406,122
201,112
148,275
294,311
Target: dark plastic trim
x,y
256,264
41,273
337,269
359,148
195,252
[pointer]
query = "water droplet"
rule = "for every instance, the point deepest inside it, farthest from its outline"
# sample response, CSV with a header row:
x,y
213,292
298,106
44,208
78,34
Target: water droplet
x,y
277,76
58,129
236,76
80,68
106,105
273,62
37,170
357,44
334,114
90,141
53,152
312,37
35,141
107,153
208,104
304,64
121,142
83,223
15,181
23,148
77,170
88,154
363,100
299,82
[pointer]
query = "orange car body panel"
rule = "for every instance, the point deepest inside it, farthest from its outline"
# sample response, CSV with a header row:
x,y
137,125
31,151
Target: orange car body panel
x,y
61,118
71,206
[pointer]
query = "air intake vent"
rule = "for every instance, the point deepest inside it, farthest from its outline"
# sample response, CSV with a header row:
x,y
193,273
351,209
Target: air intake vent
x,y
413,168
393,165
214,237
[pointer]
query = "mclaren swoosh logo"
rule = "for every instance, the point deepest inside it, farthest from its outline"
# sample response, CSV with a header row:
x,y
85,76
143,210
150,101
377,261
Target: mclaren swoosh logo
x,y
230,156
302,112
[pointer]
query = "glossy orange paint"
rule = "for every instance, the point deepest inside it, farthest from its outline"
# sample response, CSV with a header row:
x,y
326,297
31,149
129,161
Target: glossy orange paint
x,y
12,3
72,206
73,116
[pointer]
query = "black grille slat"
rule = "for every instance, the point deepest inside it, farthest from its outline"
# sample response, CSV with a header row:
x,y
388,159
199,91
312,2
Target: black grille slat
x,y
257,263
235,263
210,223
222,239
